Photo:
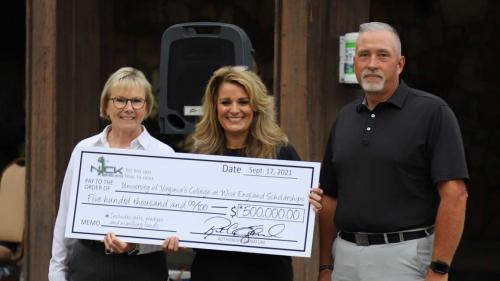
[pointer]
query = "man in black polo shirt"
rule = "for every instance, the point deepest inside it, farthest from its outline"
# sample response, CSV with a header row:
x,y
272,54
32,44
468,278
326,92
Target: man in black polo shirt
x,y
393,175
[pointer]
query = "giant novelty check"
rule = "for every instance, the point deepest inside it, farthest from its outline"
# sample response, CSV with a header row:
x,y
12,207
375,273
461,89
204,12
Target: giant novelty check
x,y
210,202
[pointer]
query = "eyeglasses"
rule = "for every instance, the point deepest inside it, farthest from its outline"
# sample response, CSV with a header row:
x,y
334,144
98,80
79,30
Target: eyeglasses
x,y
121,102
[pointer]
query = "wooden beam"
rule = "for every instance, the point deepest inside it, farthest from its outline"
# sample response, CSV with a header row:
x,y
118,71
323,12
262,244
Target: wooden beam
x,y
292,76
306,79
78,76
40,137
63,87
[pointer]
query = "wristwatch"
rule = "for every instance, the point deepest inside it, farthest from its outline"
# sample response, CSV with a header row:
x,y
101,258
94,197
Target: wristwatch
x,y
440,267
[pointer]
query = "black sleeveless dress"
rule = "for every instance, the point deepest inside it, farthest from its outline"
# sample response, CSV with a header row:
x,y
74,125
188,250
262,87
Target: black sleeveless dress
x,y
211,265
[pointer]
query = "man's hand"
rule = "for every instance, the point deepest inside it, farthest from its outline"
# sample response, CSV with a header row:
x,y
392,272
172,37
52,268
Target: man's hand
x,y
315,199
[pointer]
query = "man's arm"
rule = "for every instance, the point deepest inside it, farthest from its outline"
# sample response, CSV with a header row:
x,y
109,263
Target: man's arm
x,y
327,234
449,223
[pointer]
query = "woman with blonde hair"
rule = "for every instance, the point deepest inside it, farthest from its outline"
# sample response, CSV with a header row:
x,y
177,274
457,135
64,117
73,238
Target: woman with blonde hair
x,y
248,125
240,120
126,101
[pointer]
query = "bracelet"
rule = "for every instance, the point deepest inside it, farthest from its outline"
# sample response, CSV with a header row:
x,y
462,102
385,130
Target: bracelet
x,y
134,251
325,267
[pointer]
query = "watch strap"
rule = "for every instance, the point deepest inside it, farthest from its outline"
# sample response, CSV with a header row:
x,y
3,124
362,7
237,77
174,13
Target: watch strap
x,y
440,267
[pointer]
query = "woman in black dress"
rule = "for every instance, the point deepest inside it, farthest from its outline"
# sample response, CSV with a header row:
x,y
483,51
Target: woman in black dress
x,y
239,120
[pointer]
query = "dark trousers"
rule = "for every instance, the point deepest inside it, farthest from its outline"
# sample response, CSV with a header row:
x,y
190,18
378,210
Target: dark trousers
x,y
89,262
211,265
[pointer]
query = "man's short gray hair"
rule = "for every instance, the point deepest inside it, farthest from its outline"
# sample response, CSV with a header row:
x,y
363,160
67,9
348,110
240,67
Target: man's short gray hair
x,y
380,26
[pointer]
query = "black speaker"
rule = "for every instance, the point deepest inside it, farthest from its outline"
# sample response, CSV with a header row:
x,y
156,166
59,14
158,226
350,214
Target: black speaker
x,y
190,53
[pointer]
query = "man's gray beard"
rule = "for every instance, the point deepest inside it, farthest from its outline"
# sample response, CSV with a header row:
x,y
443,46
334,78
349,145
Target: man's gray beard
x,y
372,87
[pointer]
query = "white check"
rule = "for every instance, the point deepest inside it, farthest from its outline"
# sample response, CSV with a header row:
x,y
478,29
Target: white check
x,y
210,202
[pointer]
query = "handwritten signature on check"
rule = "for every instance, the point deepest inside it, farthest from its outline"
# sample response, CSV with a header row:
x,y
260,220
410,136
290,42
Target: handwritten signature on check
x,y
224,226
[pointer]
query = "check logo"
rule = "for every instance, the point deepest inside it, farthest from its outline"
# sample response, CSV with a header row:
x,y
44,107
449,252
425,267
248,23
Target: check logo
x,y
104,170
